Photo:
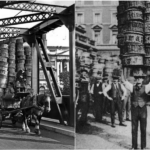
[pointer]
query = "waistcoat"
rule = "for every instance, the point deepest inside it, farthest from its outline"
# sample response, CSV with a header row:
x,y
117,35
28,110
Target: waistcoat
x,y
97,89
116,93
138,97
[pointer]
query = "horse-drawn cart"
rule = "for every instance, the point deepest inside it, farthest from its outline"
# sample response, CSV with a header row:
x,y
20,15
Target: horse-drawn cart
x,y
10,108
10,101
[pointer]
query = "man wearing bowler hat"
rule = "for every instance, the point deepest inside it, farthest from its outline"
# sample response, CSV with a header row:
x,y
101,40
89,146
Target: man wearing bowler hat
x,y
97,92
139,93
105,100
117,95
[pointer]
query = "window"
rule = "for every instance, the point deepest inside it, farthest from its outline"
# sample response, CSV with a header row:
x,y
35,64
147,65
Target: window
x,y
115,3
97,18
80,19
90,2
79,2
114,18
98,2
97,36
114,38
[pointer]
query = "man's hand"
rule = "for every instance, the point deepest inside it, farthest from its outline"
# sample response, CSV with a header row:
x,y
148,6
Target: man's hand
x,y
100,92
110,98
122,98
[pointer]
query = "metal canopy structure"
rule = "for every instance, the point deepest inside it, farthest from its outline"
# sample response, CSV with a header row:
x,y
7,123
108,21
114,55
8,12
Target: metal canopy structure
x,y
52,16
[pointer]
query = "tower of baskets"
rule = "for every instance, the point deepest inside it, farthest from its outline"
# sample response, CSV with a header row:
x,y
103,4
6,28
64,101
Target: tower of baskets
x,y
130,15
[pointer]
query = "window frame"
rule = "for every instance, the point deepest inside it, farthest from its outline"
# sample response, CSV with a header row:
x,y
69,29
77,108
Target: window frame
x,y
77,22
112,12
111,34
101,33
95,12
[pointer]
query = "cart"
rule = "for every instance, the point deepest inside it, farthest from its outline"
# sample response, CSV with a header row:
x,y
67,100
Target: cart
x,y
10,109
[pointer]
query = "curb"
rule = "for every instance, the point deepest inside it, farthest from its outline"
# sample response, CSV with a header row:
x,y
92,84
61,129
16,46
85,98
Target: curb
x,y
55,127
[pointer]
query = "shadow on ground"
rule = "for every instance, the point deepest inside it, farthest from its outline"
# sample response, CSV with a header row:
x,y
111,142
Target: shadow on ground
x,y
116,139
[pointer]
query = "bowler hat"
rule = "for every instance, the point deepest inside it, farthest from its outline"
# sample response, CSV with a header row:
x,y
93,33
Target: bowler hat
x,y
139,76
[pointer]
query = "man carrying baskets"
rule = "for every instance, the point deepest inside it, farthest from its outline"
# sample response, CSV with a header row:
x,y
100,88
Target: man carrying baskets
x,y
139,99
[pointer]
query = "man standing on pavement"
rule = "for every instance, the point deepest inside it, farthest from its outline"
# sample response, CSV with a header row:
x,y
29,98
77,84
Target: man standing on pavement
x,y
117,95
105,100
139,93
97,92
83,101
127,102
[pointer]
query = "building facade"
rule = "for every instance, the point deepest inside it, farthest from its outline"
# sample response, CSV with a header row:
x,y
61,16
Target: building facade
x,y
59,57
99,20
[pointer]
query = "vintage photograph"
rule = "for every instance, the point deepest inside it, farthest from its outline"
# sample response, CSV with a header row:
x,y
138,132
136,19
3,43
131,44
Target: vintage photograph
x,y
112,74
37,42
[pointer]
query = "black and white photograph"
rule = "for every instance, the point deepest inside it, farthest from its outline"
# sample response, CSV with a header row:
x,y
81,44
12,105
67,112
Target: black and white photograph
x,y
37,52
112,74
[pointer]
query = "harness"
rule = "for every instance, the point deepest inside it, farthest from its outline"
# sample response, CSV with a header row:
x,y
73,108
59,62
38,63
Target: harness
x,y
39,104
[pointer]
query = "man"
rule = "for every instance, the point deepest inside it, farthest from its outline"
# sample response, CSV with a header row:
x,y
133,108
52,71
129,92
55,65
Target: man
x,y
117,95
83,101
139,93
97,92
105,100
42,90
127,102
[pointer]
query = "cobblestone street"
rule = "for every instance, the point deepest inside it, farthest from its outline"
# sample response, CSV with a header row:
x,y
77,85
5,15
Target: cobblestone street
x,y
15,138
103,136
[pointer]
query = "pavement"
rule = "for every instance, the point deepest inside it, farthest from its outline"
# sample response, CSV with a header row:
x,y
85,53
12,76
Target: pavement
x,y
55,126
102,136
12,137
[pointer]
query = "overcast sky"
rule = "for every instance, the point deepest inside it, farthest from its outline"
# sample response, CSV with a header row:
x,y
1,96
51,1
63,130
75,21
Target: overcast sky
x,y
57,37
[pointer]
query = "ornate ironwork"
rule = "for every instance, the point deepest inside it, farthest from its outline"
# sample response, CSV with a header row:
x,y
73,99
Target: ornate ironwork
x,y
26,19
8,35
4,3
35,7
11,30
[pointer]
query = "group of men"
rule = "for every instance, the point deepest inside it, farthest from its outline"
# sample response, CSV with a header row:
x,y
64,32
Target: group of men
x,y
119,94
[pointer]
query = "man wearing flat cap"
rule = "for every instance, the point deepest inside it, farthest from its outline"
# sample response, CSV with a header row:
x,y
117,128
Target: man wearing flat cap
x,y
83,101
117,95
139,99
97,92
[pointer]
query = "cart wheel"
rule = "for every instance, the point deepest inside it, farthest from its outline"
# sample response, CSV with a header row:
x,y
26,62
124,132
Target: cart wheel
x,y
1,119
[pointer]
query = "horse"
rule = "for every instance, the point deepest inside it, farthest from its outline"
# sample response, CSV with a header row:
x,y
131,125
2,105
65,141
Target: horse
x,y
35,107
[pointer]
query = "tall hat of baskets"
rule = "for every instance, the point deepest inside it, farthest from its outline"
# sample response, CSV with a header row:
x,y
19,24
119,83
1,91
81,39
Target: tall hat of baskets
x,y
130,15
20,62
147,35
12,60
28,63
3,67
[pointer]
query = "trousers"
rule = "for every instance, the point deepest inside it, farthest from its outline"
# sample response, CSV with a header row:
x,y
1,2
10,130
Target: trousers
x,y
98,104
139,114
116,104
105,104
126,107
82,107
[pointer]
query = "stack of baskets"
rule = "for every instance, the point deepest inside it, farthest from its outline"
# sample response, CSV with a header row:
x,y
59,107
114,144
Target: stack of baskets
x,y
131,34
20,55
28,63
147,36
12,60
3,67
